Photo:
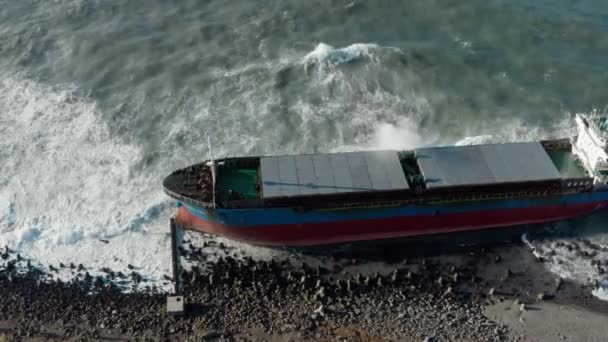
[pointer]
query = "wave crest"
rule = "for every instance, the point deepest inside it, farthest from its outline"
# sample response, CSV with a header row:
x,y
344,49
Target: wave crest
x,y
327,54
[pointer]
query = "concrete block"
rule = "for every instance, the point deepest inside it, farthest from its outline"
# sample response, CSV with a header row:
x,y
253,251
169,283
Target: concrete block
x,y
175,305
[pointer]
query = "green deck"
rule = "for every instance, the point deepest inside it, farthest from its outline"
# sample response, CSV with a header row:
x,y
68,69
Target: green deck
x,y
242,181
567,164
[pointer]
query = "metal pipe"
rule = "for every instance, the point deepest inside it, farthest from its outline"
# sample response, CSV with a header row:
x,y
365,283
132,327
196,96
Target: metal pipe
x,y
174,258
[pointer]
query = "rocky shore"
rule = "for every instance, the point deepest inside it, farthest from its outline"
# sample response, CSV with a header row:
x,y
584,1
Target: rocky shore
x,y
436,298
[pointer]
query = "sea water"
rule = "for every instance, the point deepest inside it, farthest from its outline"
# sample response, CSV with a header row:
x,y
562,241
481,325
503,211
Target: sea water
x,y
99,100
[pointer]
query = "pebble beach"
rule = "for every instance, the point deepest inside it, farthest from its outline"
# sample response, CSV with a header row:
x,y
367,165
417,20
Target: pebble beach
x,y
481,294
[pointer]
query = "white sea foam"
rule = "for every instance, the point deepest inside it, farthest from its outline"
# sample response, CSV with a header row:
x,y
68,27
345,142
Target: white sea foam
x,y
400,136
324,53
69,191
601,291
326,60
514,130
476,140
383,117
567,261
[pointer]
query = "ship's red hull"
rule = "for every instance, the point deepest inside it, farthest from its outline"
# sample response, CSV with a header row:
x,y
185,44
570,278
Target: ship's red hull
x,y
372,229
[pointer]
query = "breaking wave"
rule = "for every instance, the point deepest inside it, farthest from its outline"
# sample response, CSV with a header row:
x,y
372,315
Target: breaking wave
x,y
578,256
69,190
327,54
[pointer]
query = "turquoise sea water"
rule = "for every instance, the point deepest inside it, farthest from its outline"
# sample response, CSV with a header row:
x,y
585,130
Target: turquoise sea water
x,y
100,99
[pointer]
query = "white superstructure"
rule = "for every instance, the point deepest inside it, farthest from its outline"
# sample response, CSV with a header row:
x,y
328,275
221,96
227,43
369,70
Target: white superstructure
x,y
590,145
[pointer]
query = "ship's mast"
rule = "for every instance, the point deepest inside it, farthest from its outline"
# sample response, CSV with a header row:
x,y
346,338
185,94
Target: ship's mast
x,y
212,167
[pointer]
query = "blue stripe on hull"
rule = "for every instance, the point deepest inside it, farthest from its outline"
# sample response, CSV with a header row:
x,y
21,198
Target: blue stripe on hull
x,y
270,216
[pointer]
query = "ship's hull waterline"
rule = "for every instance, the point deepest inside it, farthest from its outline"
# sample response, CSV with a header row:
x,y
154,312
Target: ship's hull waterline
x,y
294,228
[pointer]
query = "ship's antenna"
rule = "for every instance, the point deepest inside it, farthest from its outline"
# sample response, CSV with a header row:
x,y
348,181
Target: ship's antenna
x,y
212,167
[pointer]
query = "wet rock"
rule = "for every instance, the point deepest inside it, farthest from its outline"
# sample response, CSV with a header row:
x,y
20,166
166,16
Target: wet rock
x,y
540,258
211,335
98,282
440,281
558,283
395,276
320,294
320,310
135,277
290,278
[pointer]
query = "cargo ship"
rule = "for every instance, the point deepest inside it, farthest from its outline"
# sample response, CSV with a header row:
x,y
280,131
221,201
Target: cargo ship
x,y
328,198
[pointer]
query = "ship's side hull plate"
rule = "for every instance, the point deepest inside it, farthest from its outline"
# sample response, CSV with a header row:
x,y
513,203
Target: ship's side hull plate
x,y
303,230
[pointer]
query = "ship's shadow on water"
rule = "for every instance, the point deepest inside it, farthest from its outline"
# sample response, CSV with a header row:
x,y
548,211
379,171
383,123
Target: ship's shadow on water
x,y
395,250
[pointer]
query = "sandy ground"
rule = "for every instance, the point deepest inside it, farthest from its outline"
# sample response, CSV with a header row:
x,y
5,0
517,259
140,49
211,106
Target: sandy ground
x,y
549,321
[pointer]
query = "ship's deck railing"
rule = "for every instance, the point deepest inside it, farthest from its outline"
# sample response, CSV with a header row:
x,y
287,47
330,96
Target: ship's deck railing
x,y
185,199
568,187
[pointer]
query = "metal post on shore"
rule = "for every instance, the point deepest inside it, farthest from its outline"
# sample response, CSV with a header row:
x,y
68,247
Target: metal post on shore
x,y
174,258
175,302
